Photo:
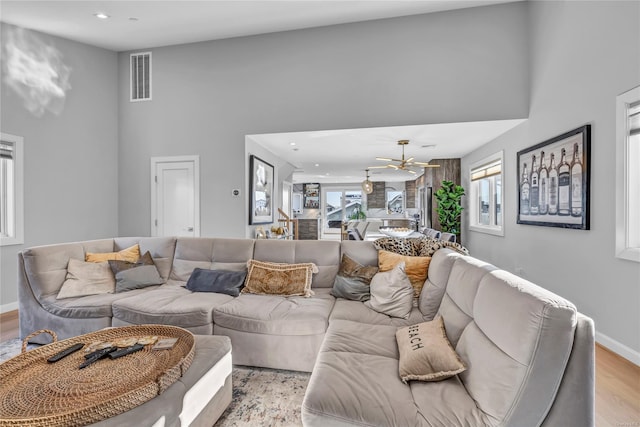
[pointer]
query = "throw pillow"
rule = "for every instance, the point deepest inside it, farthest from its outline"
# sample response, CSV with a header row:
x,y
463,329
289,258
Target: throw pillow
x,y
352,281
220,281
351,288
269,278
135,275
416,267
352,268
391,293
131,254
426,353
86,278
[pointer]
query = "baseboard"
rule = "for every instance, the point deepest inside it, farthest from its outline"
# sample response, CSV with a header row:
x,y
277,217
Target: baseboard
x,y
4,308
618,348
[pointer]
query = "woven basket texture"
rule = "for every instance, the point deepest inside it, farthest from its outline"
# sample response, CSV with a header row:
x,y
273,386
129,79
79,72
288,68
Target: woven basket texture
x,y
36,393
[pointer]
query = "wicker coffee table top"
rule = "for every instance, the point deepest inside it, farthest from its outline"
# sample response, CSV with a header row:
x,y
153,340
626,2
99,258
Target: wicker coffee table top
x,y
34,392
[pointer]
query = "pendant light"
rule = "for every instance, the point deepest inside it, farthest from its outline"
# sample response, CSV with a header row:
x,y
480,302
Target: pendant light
x,y
367,186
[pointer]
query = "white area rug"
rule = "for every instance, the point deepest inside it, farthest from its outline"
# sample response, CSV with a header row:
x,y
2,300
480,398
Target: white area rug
x,y
261,397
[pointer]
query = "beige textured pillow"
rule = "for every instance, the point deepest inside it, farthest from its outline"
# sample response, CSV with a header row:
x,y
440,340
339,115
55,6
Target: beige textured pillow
x,y
416,267
131,254
391,293
87,278
426,353
270,278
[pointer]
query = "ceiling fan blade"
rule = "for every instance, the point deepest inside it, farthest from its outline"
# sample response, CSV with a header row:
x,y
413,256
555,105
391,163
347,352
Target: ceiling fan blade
x,y
379,167
409,160
393,166
410,171
384,159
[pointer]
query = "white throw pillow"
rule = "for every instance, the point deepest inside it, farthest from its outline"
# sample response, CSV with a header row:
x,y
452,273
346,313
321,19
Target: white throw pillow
x,y
392,293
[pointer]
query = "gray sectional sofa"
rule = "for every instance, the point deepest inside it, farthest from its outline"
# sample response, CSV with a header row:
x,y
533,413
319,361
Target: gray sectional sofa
x,y
529,353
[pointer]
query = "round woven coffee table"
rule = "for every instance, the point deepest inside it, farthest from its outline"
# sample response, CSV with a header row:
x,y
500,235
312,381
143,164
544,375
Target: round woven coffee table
x,y
35,393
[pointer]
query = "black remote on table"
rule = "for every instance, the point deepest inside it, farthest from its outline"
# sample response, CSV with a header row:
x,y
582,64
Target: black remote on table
x,y
64,353
125,351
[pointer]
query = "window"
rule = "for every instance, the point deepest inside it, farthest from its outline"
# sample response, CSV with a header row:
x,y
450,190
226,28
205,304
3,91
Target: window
x,y
11,220
486,198
628,175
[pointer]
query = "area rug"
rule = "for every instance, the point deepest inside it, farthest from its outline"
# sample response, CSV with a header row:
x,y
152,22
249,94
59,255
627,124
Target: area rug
x,y
261,397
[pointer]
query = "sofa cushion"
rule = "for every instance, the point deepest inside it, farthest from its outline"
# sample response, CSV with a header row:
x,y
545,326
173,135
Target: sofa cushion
x,y
355,337
86,307
276,315
169,305
391,293
211,254
436,283
131,254
87,278
325,254
269,278
221,281
426,354
358,312
360,390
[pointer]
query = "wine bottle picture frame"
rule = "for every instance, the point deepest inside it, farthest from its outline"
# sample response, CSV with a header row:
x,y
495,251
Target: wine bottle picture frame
x,y
553,181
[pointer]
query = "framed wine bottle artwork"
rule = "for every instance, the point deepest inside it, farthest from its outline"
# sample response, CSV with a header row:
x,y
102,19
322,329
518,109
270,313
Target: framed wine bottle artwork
x,y
553,181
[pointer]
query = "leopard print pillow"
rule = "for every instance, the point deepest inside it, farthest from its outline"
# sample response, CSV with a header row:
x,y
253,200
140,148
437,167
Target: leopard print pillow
x,y
416,246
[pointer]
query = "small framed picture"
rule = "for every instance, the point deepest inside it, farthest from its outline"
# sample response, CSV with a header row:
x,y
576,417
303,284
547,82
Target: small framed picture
x,y
553,181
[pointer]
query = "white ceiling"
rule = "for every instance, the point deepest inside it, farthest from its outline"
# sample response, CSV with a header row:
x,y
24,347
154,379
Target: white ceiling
x,y
163,23
343,155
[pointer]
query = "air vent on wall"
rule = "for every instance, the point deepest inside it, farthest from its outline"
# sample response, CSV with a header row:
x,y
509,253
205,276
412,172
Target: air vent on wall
x,y
140,66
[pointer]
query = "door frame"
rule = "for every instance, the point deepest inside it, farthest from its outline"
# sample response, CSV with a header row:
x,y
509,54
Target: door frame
x,y
195,159
323,204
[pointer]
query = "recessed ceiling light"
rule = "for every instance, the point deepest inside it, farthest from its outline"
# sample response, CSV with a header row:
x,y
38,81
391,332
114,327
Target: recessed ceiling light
x,y
317,164
133,19
292,143
101,15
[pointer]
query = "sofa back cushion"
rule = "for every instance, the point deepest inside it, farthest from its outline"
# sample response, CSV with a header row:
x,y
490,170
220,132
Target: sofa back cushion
x,y
209,254
46,266
436,283
514,336
325,254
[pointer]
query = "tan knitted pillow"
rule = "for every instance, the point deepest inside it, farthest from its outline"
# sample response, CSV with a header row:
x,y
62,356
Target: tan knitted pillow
x,y
270,278
426,353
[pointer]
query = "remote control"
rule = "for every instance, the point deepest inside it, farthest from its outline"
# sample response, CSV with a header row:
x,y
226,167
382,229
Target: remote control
x,y
64,353
97,355
125,351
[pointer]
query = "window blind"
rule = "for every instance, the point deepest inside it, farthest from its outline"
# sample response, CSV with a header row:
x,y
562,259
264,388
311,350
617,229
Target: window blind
x,y
485,171
6,150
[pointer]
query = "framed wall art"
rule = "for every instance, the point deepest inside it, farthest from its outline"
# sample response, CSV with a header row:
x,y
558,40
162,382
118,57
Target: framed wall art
x,y
261,192
553,181
312,196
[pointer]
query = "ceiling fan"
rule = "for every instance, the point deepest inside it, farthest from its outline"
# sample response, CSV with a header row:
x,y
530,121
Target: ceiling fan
x,y
403,164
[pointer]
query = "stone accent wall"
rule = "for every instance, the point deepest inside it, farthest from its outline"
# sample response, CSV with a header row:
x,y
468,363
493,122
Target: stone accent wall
x,y
376,200
410,194
308,229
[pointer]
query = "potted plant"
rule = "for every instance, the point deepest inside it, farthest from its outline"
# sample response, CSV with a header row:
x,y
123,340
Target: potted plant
x,y
449,208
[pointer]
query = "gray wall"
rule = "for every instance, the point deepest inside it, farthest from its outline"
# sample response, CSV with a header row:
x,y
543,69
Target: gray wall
x,y
454,66
70,165
583,54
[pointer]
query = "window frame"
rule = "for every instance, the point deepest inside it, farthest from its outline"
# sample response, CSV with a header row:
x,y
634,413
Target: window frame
x,y
627,203
16,206
474,196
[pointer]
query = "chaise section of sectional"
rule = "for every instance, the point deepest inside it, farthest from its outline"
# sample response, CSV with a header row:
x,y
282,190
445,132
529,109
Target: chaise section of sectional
x,y
282,332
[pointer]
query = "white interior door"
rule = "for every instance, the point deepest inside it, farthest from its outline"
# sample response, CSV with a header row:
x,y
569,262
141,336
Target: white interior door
x,y
175,196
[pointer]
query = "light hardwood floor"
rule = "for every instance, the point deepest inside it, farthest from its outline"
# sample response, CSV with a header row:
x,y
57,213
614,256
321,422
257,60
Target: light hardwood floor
x,y
617,382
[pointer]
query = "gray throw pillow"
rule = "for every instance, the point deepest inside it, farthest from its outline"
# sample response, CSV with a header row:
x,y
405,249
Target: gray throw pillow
x,y
391,293
220,281
135,275
350,288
